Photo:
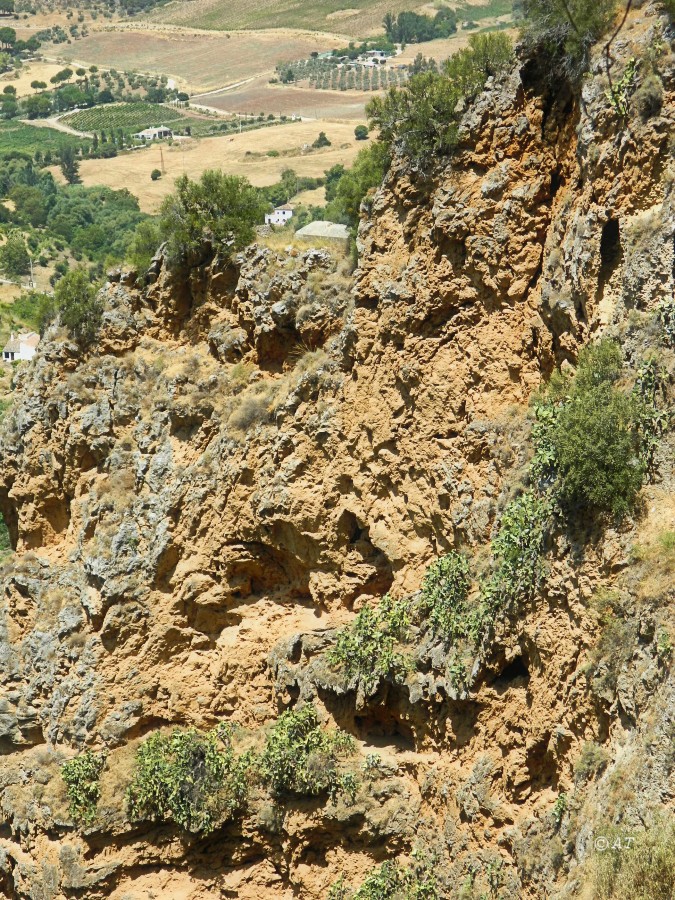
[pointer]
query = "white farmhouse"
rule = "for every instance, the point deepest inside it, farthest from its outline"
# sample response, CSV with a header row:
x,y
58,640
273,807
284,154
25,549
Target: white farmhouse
x,y
21,347
154,134
280,216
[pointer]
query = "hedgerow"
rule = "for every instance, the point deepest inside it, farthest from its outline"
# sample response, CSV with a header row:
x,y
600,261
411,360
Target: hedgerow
x,y
302,758
190,777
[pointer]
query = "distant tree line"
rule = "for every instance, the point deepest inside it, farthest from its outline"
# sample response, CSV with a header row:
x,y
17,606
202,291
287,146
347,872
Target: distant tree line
x,y
82,88
416,28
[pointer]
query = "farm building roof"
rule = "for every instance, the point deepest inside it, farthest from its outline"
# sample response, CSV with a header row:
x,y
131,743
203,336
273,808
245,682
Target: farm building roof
x,y
13,345
328,230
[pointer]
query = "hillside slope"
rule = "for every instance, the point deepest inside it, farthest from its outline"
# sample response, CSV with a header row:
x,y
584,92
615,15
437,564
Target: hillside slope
x,y
254,451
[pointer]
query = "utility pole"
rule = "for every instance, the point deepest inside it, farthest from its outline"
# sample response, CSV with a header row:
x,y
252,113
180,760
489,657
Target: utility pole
x,y
32,282
161,156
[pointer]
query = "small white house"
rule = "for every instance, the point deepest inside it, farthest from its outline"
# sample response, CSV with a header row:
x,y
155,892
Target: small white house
x,y
154,134
280,216
21,346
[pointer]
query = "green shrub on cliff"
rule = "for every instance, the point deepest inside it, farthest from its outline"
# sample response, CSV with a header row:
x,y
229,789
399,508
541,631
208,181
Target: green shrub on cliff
x,y
300,757
587,440
81,776
76,305
218,210
190,777
366,649
421,119
445,589
392,881
565,30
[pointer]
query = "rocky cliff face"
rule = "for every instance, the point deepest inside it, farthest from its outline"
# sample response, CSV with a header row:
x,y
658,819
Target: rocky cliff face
x,y
254,452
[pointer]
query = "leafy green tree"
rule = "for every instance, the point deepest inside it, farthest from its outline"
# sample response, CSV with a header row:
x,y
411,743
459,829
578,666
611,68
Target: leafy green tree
x,y
332,178
348,192
69,164
218,210
144,245
156,174
361,132
32,205
61,76
321,141
77,305
14,256
7,36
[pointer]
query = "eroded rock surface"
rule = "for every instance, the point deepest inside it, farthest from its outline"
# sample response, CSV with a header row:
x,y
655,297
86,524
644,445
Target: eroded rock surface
x,y
253,452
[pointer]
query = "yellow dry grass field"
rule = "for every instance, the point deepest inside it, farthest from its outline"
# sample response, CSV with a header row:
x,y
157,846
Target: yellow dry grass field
x,y
192,157
198,61
34,70
317,197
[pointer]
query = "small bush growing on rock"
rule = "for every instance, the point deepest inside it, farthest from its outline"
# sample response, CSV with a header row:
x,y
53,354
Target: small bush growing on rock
x,y
517,550
5,540
367,648
300,757
81,776
445,589
390,881
592,760
648,99
587,443
640,869
192,778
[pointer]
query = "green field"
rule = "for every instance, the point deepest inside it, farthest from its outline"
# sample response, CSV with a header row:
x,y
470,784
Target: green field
x,y
15,135
357,18
132,117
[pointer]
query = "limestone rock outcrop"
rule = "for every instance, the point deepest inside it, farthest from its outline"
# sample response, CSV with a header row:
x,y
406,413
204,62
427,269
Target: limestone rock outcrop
x,y
255,450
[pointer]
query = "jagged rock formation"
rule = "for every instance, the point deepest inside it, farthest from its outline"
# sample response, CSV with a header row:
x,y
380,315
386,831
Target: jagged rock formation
x,y
254,451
